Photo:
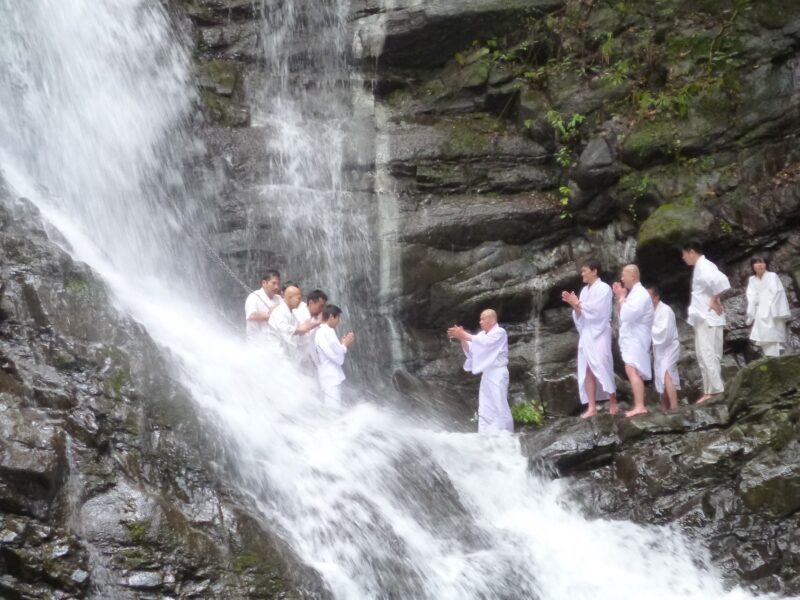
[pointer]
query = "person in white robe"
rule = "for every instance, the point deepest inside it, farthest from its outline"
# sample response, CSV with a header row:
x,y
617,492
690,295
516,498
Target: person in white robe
x,y
331,352
283,327
707,317
591,313
487,356
258,308
767,308
666,351
307,311
635,333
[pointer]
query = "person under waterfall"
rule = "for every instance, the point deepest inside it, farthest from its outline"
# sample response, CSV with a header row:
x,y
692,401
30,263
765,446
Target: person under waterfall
x,y
635,333
310,310
258,308
591,312
284,328
707,316
487,356
331,352
767,308
666,351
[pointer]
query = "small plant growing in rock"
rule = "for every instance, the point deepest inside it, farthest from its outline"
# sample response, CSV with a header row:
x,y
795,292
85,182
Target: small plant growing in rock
x,y
527,414
564,191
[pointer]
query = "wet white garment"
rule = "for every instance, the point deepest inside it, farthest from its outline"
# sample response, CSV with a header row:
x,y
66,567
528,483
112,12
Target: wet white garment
x,y
708,349
282,325
767,311
707,281
594,344
487,356
635,330
330,358
305,344
666,346
258,301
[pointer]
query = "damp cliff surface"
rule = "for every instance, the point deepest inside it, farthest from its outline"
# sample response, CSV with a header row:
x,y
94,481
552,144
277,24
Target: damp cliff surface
x,y
725,472
523,138
110,484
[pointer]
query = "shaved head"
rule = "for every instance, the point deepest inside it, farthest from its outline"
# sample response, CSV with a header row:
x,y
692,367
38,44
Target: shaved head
x,y
630,275
488,319
292,296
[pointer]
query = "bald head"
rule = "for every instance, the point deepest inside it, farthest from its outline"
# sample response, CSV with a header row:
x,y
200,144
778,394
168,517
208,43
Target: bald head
x,y
488,319
630,275
292,296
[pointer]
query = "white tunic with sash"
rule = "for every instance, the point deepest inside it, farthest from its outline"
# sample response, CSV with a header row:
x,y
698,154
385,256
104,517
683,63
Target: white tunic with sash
x,y
594,344
707,281
666,347
305,344
282,325
330,358
635,330
767,310
487,356
258,301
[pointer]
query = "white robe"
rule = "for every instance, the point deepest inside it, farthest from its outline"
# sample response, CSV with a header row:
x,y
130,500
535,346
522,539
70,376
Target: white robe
x,y
594,344
305,343
707,281
767,310
282,325
635,330
330,358
666,347
258,301
487,356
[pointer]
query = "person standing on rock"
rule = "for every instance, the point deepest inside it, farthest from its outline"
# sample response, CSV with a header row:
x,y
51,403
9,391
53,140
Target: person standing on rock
x,y
635,331
767,308
666,351
259,306
330,356
487,356
591,312
283,327
706,316
309,310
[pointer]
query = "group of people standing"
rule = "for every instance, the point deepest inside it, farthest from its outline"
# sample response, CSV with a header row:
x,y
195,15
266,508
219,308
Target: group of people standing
x,y
648,336
304,332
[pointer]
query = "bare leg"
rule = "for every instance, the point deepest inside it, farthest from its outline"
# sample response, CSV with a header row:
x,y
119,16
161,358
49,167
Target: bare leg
x,y
590,384
664,400
613,405
670,391
638,392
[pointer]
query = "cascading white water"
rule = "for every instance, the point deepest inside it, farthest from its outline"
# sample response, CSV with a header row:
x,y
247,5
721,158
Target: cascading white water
x,y
92,97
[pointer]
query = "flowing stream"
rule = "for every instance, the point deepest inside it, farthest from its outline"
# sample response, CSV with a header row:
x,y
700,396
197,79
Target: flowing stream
x,y
94,97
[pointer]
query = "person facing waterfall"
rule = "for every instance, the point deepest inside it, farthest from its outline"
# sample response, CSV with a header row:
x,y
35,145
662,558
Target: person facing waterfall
x,y
635,333
487,356
330,356
591,312
707,316
666,351
259,305
284,328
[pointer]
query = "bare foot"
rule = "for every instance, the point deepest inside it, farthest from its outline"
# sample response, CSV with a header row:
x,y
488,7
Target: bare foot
x,y
613,405
635,412
588,413
703,398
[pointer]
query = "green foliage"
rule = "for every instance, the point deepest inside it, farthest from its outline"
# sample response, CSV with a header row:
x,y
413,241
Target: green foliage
x,y
567,130
137,530
564,193
527,414
607,48
619,73
564,157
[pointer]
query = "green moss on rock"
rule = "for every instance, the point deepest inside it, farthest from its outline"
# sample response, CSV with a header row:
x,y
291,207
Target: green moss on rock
x,y
672,222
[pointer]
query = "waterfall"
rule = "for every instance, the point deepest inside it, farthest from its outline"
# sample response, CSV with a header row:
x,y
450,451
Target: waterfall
x,y
93,100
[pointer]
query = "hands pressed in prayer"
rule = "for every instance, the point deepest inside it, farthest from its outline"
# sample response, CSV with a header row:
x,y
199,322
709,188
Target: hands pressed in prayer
x,y
457,332
620,291
348,339
570,298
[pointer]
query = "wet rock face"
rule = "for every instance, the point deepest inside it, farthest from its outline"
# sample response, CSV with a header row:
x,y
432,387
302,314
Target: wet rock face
x,y
563,131
726,472
102,487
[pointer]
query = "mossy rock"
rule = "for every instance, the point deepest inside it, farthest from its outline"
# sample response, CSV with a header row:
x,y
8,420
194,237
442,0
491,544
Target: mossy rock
x,y
470,136
771,483
763,384
219,76
673,222
223,110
